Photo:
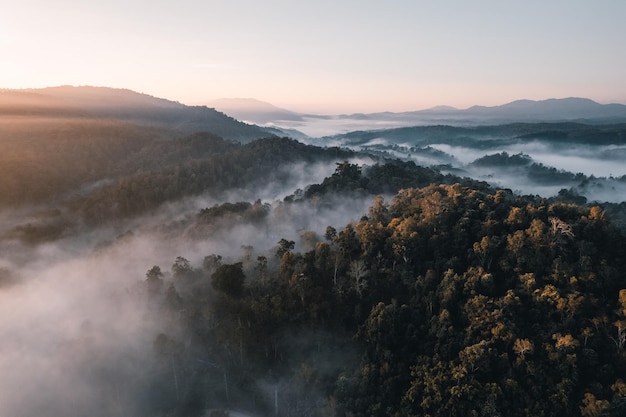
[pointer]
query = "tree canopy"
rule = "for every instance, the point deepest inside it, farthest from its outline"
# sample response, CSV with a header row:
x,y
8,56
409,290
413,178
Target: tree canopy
x,y
448,300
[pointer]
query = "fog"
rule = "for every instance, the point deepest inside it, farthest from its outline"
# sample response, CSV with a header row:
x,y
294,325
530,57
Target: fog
x,y
515,180
601,189
587,165
462,154
319,126
598,161
72,333
77,332
601,164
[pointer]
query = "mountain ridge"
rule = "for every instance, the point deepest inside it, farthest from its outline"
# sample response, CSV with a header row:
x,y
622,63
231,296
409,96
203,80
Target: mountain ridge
x,y
253,110
570,104
127,106
552,110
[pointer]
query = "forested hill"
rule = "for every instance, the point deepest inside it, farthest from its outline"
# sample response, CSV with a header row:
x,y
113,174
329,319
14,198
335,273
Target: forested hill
x,y
51,159
84,105
98,183
201,164
445,298
57,140
491,135
449,300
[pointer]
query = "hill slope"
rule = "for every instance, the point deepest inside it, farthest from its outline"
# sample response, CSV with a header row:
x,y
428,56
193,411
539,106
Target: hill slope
x,y
253,110
56,140
550,110
175,119
451,300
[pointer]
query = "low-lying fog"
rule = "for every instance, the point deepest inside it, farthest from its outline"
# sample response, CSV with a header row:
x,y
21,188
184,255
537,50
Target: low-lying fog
x,y
603,163
601,171
319,126
596,161
77,335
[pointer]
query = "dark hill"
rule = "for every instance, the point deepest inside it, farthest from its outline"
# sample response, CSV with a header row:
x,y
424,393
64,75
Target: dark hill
x,y
481,136
175,119
551,110
53,141
572,108
451,300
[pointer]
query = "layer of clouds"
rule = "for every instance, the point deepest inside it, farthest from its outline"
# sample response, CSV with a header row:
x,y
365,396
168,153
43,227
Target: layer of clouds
x,y
602,163
77,333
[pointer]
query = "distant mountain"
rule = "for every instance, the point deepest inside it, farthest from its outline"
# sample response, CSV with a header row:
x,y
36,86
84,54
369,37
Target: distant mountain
x,y
438,109
253,111
529,111
175,119
579,110
482,137
551,110
114,101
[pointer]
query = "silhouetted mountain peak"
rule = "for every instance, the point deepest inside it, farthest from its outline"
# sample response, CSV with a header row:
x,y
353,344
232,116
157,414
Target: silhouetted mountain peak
x,y
553,109
253,110
127,106
442,108
248,104
90,97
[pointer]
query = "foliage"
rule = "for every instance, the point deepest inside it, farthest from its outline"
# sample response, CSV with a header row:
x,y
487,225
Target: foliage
x,y
458,300
503,159
229,279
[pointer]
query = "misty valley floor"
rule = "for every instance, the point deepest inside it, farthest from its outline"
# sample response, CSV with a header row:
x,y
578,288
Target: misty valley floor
x,y
423,271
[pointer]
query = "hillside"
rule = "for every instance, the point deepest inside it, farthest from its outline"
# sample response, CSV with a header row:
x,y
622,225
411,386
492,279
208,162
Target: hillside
x,y
446,297
160,273
572,109
490,135
449,300
587,158
84,103
562,111
254,111
56,140
86,182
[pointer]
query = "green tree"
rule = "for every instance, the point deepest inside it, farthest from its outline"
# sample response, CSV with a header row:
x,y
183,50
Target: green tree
x,y
211,262
181,267
154,280
229,279
284,246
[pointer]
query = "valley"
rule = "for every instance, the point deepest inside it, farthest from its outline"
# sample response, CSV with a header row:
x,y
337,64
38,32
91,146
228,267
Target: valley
x,y
164,259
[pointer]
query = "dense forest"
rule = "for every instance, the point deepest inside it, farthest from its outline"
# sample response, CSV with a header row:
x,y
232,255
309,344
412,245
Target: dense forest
x,y
147,271
539,158
447,300
100,182
488,135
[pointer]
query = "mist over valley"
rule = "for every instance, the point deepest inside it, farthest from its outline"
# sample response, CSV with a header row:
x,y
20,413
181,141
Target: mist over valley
x,y
579,110
584,158
573,136
158,259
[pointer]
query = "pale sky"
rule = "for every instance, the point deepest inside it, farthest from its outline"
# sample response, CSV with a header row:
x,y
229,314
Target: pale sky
x,y
322,56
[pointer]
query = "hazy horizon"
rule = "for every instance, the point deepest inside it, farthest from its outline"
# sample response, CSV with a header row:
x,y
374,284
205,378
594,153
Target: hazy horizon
x,y
169,260
348,112
325,57
243,102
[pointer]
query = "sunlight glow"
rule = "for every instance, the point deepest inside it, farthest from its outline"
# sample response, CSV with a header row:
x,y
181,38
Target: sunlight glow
x,y
353,57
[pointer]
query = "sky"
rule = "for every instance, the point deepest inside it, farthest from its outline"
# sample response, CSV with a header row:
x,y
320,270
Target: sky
x,y
322,56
